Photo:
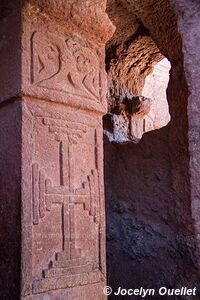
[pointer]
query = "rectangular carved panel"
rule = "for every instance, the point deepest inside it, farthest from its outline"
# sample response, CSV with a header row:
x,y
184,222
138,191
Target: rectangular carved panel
x,y
66,198
63,67
65,64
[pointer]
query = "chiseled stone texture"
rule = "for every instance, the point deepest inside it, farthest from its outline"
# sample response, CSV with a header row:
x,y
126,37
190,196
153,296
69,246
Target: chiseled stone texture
x,y
131,116
53,211
62,61
127,120
188,19
145,245
131,52
157,208
63,223
52,38
10,50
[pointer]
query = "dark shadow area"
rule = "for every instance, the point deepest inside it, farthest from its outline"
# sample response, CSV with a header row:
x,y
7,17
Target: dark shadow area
x,y
145,245
150,230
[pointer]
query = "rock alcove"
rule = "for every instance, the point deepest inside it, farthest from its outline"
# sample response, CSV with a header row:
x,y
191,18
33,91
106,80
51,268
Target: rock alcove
x,y
150,232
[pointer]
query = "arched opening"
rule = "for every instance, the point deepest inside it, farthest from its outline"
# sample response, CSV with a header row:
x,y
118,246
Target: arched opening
x,y
131,115
155,87
150,231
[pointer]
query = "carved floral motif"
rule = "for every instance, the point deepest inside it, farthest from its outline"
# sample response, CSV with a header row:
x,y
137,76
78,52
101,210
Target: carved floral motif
x,y
65,64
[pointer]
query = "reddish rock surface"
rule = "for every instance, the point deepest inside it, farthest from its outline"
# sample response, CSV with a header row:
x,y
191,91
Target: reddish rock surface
x,y
52,192
131,116
53,96
188,19
152,206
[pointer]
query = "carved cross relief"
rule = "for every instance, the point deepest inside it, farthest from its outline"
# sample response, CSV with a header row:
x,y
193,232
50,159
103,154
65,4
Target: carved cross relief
x,y
70,261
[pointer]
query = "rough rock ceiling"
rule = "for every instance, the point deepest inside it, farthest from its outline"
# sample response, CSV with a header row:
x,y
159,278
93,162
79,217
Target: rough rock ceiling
x,y
139,41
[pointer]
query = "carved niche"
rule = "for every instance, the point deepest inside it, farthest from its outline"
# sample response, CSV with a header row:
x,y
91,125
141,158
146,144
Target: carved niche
x,y
65,64
65,205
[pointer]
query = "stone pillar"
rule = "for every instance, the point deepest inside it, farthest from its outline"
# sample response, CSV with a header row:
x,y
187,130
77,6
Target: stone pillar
x,y
188,25
52,100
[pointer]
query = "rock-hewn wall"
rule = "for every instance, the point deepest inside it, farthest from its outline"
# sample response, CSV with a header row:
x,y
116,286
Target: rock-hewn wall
x,y
145,243
150,231
188,26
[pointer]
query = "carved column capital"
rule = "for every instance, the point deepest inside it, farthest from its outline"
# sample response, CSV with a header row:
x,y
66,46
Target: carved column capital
x,y
65,45
59,54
